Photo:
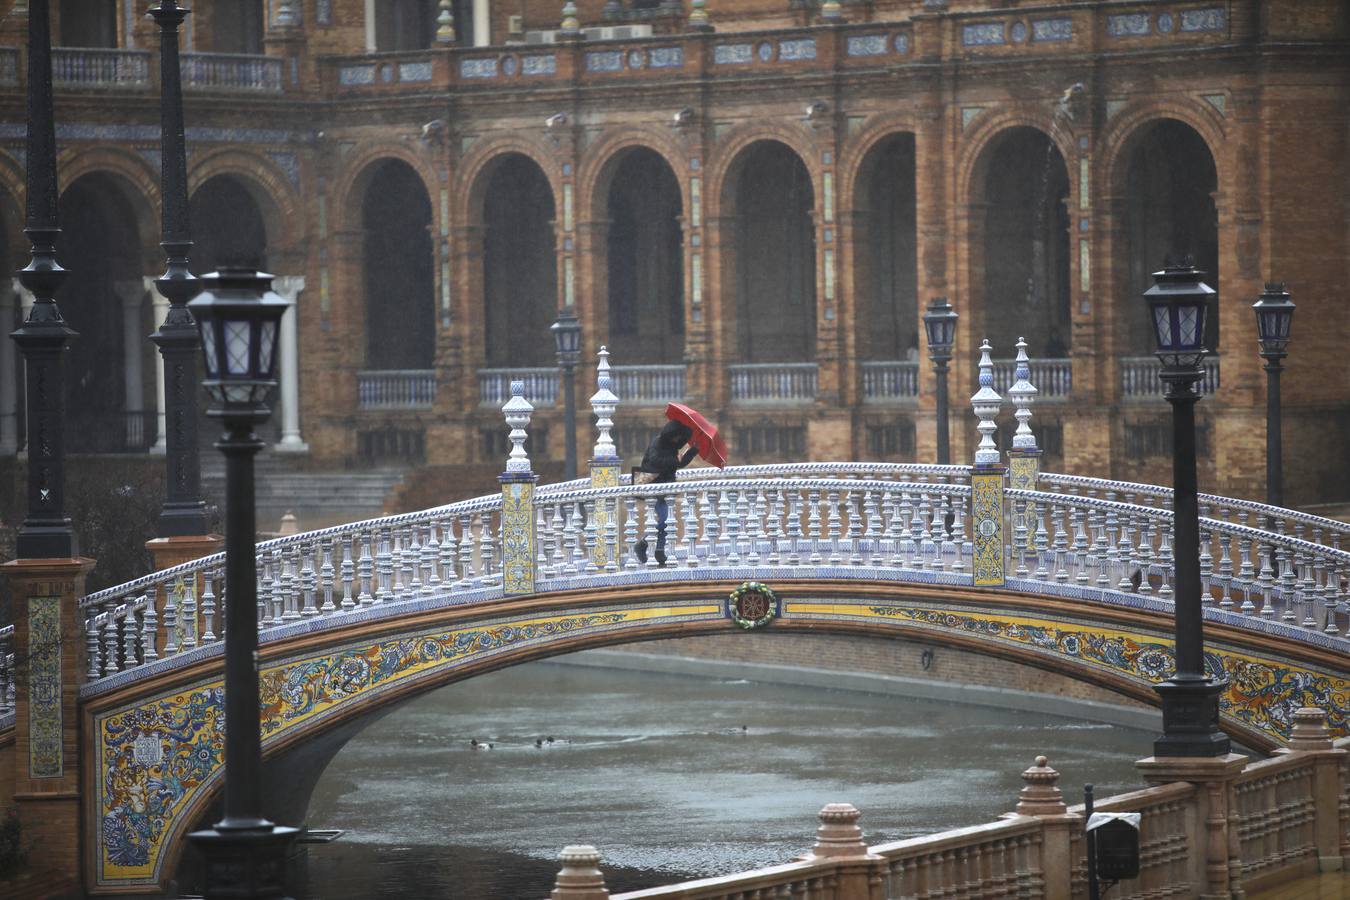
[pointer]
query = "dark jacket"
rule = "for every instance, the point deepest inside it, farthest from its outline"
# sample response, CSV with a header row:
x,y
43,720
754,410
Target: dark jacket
x,y
662,458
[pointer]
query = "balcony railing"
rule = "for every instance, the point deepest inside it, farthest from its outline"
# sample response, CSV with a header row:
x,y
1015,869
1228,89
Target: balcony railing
x,y
9,65
773,382
890,380
95,67
1139,377
396,389
1053,378
648,384
541,385
231,72
110,432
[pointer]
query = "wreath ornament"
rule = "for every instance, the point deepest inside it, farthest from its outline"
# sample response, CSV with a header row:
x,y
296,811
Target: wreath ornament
x,y
752,605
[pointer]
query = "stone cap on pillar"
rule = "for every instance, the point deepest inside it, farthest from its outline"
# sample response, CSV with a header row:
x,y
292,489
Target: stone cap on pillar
x,y
580,877
1041,795
839,834
517,411
603,404
1310,732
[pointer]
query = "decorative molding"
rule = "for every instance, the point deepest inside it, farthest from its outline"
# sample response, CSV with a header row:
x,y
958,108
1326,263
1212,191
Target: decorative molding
x,y
46,757
982,34
733,54
482,67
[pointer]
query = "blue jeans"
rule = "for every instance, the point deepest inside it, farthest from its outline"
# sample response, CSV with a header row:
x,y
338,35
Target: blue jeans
x,y
662,514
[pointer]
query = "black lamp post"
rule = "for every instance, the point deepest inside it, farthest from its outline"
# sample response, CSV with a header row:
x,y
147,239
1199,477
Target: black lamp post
x,y
1274,314
239,318
1177,304
940,323
46,532
184,510
567,341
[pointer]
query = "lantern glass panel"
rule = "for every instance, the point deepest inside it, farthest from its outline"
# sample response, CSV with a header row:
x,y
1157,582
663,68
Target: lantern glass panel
x,y
267,348
1192,319
1162,325
208,329
237,347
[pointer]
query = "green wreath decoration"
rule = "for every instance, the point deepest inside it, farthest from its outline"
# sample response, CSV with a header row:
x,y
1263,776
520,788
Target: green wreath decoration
x,y
752,587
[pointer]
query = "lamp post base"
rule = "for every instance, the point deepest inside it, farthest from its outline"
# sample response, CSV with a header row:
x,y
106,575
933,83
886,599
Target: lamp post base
x,y
1190,708
247,864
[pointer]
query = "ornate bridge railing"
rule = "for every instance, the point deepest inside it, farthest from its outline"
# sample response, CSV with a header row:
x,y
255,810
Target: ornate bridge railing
x,y
865,520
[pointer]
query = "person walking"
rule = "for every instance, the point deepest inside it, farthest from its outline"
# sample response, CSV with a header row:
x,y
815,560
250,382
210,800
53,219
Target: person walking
x,y
661,461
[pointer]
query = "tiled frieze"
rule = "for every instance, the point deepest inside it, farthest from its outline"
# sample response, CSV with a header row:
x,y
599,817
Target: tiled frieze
x,y
45,756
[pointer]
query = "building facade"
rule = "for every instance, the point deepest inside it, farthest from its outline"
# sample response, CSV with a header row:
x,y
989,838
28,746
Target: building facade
x,y
751,214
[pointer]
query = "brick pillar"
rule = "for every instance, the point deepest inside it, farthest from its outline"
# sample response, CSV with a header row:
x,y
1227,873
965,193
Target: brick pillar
x,y
170,552
1041,797
1216,868
1310,736
469,314
719,304
49,644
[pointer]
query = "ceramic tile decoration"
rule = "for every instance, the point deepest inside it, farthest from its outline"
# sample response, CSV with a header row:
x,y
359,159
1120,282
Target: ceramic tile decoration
x,y
732,54
1213,18
46,757
539,64
1052,29
414,71
982,34
518,535
798,49
666,57
354,75
288,163
866,45
1127,25
987,527
604,61
483,67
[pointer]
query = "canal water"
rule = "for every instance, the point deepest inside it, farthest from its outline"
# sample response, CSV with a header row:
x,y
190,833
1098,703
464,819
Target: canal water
x,y
670,776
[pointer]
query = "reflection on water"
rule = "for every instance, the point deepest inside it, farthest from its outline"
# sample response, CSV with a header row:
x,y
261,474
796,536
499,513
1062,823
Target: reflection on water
x,y
669,776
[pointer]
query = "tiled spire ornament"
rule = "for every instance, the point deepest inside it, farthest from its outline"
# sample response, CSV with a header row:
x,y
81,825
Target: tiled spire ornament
x,y
517,411
698,16
1023,395
603,404
445,23
986,403
570,27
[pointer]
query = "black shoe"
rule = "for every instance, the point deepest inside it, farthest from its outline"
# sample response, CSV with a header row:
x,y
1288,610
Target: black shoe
x,y
660,557
640,551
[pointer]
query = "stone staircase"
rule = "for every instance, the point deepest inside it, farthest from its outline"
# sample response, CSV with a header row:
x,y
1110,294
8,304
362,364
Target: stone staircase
x,y
316,498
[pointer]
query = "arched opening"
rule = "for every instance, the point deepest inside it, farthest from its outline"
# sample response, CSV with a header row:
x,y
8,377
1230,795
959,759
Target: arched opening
x,y
400,279
885,260
520,276
109,369
227,226
646,260
237,26
88,23
776,256
1026,243
1170,182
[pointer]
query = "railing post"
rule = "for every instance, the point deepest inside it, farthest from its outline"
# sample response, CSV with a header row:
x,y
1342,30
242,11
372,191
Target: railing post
x,y
859,874
1024,458
605,460
1311,736
986,482
1041,798
50,665
518,481
580,877
1216,864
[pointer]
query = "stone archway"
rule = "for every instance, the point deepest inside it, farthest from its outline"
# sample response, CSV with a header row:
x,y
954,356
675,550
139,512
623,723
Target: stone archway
x,y
398,268
885,247
520,276
228,226
770,190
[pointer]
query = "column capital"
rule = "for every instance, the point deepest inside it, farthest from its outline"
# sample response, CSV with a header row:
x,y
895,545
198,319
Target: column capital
x,y
288,286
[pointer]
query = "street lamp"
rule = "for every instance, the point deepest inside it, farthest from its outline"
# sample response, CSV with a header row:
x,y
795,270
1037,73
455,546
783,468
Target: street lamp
x,y
940,323
184,510
567,341
239,317
1274,314
1177,305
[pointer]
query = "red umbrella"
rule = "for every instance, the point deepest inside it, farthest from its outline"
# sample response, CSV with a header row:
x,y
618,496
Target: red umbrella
x,y
709,444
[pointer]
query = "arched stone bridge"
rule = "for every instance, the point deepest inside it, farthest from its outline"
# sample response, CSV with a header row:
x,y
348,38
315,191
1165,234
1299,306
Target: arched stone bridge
x,y
356,618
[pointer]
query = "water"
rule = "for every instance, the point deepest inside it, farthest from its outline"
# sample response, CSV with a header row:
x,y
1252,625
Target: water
x,y
657,772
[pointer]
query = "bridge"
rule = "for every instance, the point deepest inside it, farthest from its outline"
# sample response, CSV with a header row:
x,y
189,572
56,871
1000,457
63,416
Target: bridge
x,y
1067,573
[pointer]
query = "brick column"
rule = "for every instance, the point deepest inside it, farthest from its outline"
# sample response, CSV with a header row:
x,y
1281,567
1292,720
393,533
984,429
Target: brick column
x,y
719,304
1218,863
49,638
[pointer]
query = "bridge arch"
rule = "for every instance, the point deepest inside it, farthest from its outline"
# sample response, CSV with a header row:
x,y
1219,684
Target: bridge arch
x,y
159,758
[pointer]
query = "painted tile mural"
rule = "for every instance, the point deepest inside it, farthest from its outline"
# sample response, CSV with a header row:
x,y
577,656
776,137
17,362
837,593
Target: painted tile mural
x,y
45,756
1262,692
155,757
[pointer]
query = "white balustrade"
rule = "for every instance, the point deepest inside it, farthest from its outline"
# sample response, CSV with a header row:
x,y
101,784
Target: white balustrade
x,y
772,382
890,380
1053,378
1086,539
639,385
541,385
396,388
97,67
1139,377
231,72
